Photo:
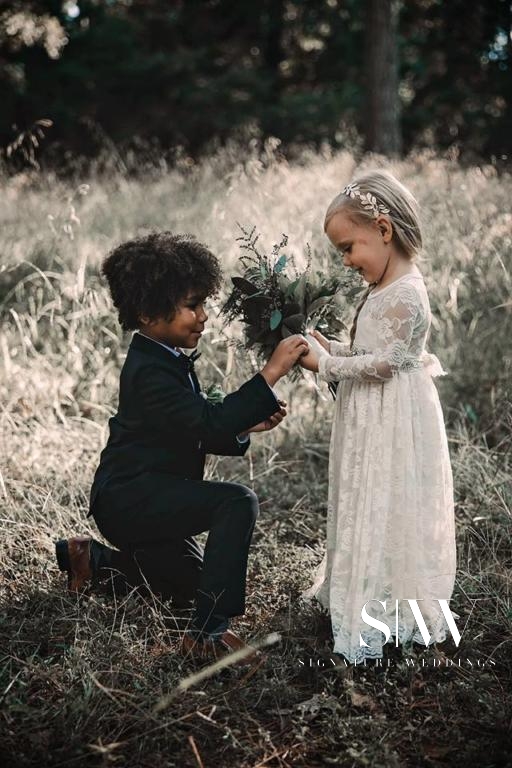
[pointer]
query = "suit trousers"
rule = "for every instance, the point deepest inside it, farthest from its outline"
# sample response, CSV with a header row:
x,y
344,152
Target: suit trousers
x,y
156,544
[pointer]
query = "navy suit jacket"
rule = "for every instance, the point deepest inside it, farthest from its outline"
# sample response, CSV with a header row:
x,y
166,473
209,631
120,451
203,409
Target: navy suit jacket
x,y
163,426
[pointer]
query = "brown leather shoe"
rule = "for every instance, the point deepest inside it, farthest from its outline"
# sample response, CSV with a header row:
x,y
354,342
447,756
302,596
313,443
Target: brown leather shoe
x,y
232,642
213,649
197,648
74,556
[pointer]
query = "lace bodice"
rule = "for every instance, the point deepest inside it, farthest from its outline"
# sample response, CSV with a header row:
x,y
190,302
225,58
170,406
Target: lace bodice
x,y
392,330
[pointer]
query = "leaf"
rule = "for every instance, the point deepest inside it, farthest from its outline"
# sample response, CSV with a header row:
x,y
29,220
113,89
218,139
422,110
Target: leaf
x,y
353,292
300,289
275,319
281,264
470,413
311,707
291,288
244,286
425,703
291,308
257,300
437,751
214,394
318,303
362,700
253,309
294,322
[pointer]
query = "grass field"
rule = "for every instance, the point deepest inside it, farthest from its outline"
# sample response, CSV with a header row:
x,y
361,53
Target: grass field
x,y
91,681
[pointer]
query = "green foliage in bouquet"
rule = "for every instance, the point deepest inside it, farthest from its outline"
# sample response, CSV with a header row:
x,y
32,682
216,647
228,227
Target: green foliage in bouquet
x,y
274,304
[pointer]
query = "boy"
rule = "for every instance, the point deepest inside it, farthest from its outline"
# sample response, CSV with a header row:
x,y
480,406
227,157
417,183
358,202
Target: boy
x,y
148,497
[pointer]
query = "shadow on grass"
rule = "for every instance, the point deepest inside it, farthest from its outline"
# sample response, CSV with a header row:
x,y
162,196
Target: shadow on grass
x,y
81,677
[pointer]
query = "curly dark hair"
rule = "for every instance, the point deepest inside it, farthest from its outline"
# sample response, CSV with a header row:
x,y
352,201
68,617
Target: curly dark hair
x,y
150,275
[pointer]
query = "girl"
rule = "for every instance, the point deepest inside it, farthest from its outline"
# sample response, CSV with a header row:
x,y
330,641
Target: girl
x,y
390,519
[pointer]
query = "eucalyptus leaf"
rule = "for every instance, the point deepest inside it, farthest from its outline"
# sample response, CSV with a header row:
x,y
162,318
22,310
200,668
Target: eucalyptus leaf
x,y
318,303
300,289
281,264
291,288
275,319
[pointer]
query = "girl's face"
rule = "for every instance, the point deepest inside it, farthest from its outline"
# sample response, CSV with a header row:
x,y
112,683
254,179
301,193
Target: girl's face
x,y
364,247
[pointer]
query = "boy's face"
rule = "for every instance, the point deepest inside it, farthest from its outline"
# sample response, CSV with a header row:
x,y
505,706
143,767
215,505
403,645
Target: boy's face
x,y
185,328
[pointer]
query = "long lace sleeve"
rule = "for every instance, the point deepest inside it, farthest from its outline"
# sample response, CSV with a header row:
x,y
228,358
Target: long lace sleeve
x,y
400,311
337,349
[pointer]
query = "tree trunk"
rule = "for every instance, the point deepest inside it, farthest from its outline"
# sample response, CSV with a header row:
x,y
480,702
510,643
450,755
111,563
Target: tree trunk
x,y
383,130
272,25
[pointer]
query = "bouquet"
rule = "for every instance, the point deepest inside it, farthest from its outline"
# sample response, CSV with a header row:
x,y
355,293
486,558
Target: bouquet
x,y
274,303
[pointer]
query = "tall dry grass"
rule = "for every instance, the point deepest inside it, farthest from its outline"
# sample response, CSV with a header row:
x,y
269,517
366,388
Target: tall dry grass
x,y
81,677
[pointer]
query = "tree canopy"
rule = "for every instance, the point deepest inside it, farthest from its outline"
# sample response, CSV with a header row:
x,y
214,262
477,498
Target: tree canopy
x,y
189,71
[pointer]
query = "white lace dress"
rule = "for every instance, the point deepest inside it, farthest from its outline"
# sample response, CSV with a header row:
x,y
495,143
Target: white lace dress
x,y
390,515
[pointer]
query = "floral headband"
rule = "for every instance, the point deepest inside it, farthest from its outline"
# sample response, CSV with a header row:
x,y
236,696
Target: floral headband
x,y
368,201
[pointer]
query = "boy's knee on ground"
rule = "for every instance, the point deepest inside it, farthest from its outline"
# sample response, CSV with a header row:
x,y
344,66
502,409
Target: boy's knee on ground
x,y
244,503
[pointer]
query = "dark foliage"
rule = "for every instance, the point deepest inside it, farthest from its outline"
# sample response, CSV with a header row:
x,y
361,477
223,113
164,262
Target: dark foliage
x,y
273,305
166,75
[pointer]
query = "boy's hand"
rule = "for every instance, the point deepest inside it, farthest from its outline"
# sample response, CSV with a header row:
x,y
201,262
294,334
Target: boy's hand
x,y
270,423
310,361
284,357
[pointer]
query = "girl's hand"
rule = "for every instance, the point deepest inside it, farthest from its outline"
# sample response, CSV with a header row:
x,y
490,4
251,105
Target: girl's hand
x,y
325,343
309,361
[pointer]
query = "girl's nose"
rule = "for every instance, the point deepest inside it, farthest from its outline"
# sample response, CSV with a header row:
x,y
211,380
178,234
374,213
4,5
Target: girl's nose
x,y
346,261
203,315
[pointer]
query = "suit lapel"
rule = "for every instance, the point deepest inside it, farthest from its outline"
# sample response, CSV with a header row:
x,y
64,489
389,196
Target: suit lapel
x,y
179,363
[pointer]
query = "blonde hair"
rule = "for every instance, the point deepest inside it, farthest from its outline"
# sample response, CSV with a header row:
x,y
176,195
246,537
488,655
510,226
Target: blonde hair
x,y
403,215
